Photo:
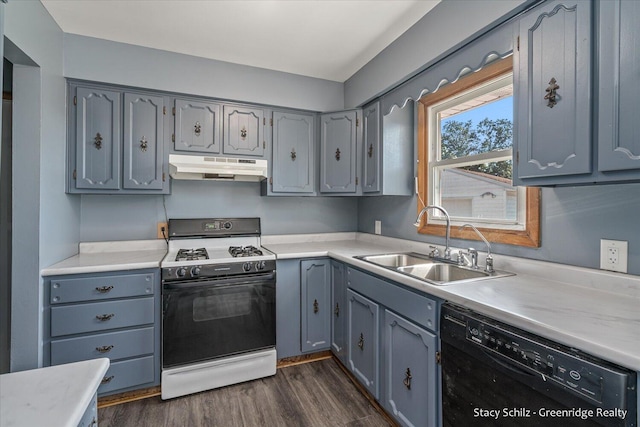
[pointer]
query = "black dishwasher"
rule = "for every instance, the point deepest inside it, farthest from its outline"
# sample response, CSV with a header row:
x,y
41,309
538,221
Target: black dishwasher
x,y
497,375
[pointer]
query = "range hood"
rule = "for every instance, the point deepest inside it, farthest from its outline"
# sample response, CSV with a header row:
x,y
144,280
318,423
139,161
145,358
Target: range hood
x,y
216,168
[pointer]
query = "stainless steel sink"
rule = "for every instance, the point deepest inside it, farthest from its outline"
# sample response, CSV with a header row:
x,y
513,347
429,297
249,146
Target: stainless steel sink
x,y
396,260
431,270
443,273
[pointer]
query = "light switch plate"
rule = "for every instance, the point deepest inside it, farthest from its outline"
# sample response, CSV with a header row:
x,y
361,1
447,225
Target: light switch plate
x,y
613,255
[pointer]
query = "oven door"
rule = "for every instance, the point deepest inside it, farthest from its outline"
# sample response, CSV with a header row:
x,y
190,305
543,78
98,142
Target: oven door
x,y
208,319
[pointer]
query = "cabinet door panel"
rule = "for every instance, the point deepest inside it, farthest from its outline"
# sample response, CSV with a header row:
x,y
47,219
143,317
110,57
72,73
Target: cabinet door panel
x,y
410,372
363,341
371,164
338,310
619,91
293,159
338,135
98,139
143,142
316,309
197,126
554,50
243,131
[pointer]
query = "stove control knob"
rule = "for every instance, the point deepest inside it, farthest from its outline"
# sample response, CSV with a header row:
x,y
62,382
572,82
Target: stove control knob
x,y
246,266
195,271
180,272
260,265
227,225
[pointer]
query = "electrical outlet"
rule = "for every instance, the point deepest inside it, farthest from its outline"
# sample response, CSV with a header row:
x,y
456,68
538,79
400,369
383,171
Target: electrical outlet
x,y
613,255
378,227
163,230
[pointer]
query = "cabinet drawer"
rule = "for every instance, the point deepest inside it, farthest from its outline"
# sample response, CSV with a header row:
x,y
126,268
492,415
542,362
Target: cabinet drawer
x,y
128,373
97,288
412,305
114,345
81,318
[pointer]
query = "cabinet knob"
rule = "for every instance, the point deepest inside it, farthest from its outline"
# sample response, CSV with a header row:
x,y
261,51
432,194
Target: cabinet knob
x,y
293,154
407,379
337,154
551,93
243,133
197,128
144,144
104,317
361,341
316,307
97,141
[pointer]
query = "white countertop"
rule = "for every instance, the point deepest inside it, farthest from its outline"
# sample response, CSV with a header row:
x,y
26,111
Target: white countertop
x,y
97,257
55,396
594,311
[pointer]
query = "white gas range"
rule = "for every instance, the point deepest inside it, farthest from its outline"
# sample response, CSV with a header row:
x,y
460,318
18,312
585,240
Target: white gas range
x,y
218,291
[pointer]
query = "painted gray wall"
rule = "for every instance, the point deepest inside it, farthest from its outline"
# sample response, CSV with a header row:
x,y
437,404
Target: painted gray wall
x,y
135,217
106,61
574,219
46,221
445,26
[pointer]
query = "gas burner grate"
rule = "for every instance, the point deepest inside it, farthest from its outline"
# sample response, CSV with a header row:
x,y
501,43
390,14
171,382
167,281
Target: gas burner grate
x,y
242,251
192,254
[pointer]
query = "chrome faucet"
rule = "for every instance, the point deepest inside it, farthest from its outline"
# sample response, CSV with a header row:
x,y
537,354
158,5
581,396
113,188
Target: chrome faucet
x,y
488,266
447,249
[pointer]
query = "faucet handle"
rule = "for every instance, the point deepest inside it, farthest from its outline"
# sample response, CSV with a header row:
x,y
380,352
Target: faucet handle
x,y
435,252
488,264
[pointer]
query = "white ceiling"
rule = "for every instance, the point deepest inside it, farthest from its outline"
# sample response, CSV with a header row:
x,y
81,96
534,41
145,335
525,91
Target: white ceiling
x,y
328,39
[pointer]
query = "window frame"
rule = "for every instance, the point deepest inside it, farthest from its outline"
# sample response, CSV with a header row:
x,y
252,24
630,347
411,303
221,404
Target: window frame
x,y
530,236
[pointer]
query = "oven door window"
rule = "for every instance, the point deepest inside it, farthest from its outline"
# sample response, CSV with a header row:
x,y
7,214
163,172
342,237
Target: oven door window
x,y
210,320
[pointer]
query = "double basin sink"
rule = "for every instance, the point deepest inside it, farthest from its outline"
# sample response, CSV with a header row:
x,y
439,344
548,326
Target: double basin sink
x,y
431,270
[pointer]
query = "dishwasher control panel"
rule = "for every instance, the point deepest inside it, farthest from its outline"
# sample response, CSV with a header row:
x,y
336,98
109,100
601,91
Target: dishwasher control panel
x,y
577,374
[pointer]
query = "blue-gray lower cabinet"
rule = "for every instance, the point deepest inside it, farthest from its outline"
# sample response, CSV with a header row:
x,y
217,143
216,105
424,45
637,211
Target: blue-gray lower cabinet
x,y
339,310
363,341
315,283
90,416
115,315
288,308
410,372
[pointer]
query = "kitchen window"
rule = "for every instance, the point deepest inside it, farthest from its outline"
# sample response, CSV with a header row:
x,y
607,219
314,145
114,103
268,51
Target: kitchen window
x,y
465,132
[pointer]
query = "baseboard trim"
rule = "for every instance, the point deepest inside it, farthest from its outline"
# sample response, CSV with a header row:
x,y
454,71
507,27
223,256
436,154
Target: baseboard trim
x,y
305,358
128,396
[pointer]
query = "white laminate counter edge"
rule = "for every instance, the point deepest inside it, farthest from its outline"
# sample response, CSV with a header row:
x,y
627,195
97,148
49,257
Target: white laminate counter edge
x,y
55,396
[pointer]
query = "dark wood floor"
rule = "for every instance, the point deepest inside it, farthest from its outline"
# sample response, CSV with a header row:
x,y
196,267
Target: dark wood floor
x,y
310,394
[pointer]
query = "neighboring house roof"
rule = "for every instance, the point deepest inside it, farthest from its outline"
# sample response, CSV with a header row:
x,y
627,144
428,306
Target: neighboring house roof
x,y
496,180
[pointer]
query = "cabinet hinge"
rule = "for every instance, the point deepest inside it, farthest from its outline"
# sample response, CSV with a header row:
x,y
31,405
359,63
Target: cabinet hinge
x,y
271,122
356,180
163,176
264,145
173,111
173,137
75,174
518,156
75,100
518,43
438,357
357,122
164,111
271,180
264,121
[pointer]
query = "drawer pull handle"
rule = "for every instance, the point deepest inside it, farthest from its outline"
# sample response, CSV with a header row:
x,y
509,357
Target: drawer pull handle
x,y
104,317
361,342
104,349
104,289
407,379
106,380
316,307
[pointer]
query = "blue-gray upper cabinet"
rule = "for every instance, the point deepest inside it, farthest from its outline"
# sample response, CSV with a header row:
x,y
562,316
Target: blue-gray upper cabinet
x,y
293,164
197,126
363,343
143,142
98,138
243,131
618,87
339,310
552,88
338,152
316,304
116,141
410,372
388,151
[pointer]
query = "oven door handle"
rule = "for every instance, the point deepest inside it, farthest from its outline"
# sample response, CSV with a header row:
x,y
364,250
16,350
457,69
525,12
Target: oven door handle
x,y
237,280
